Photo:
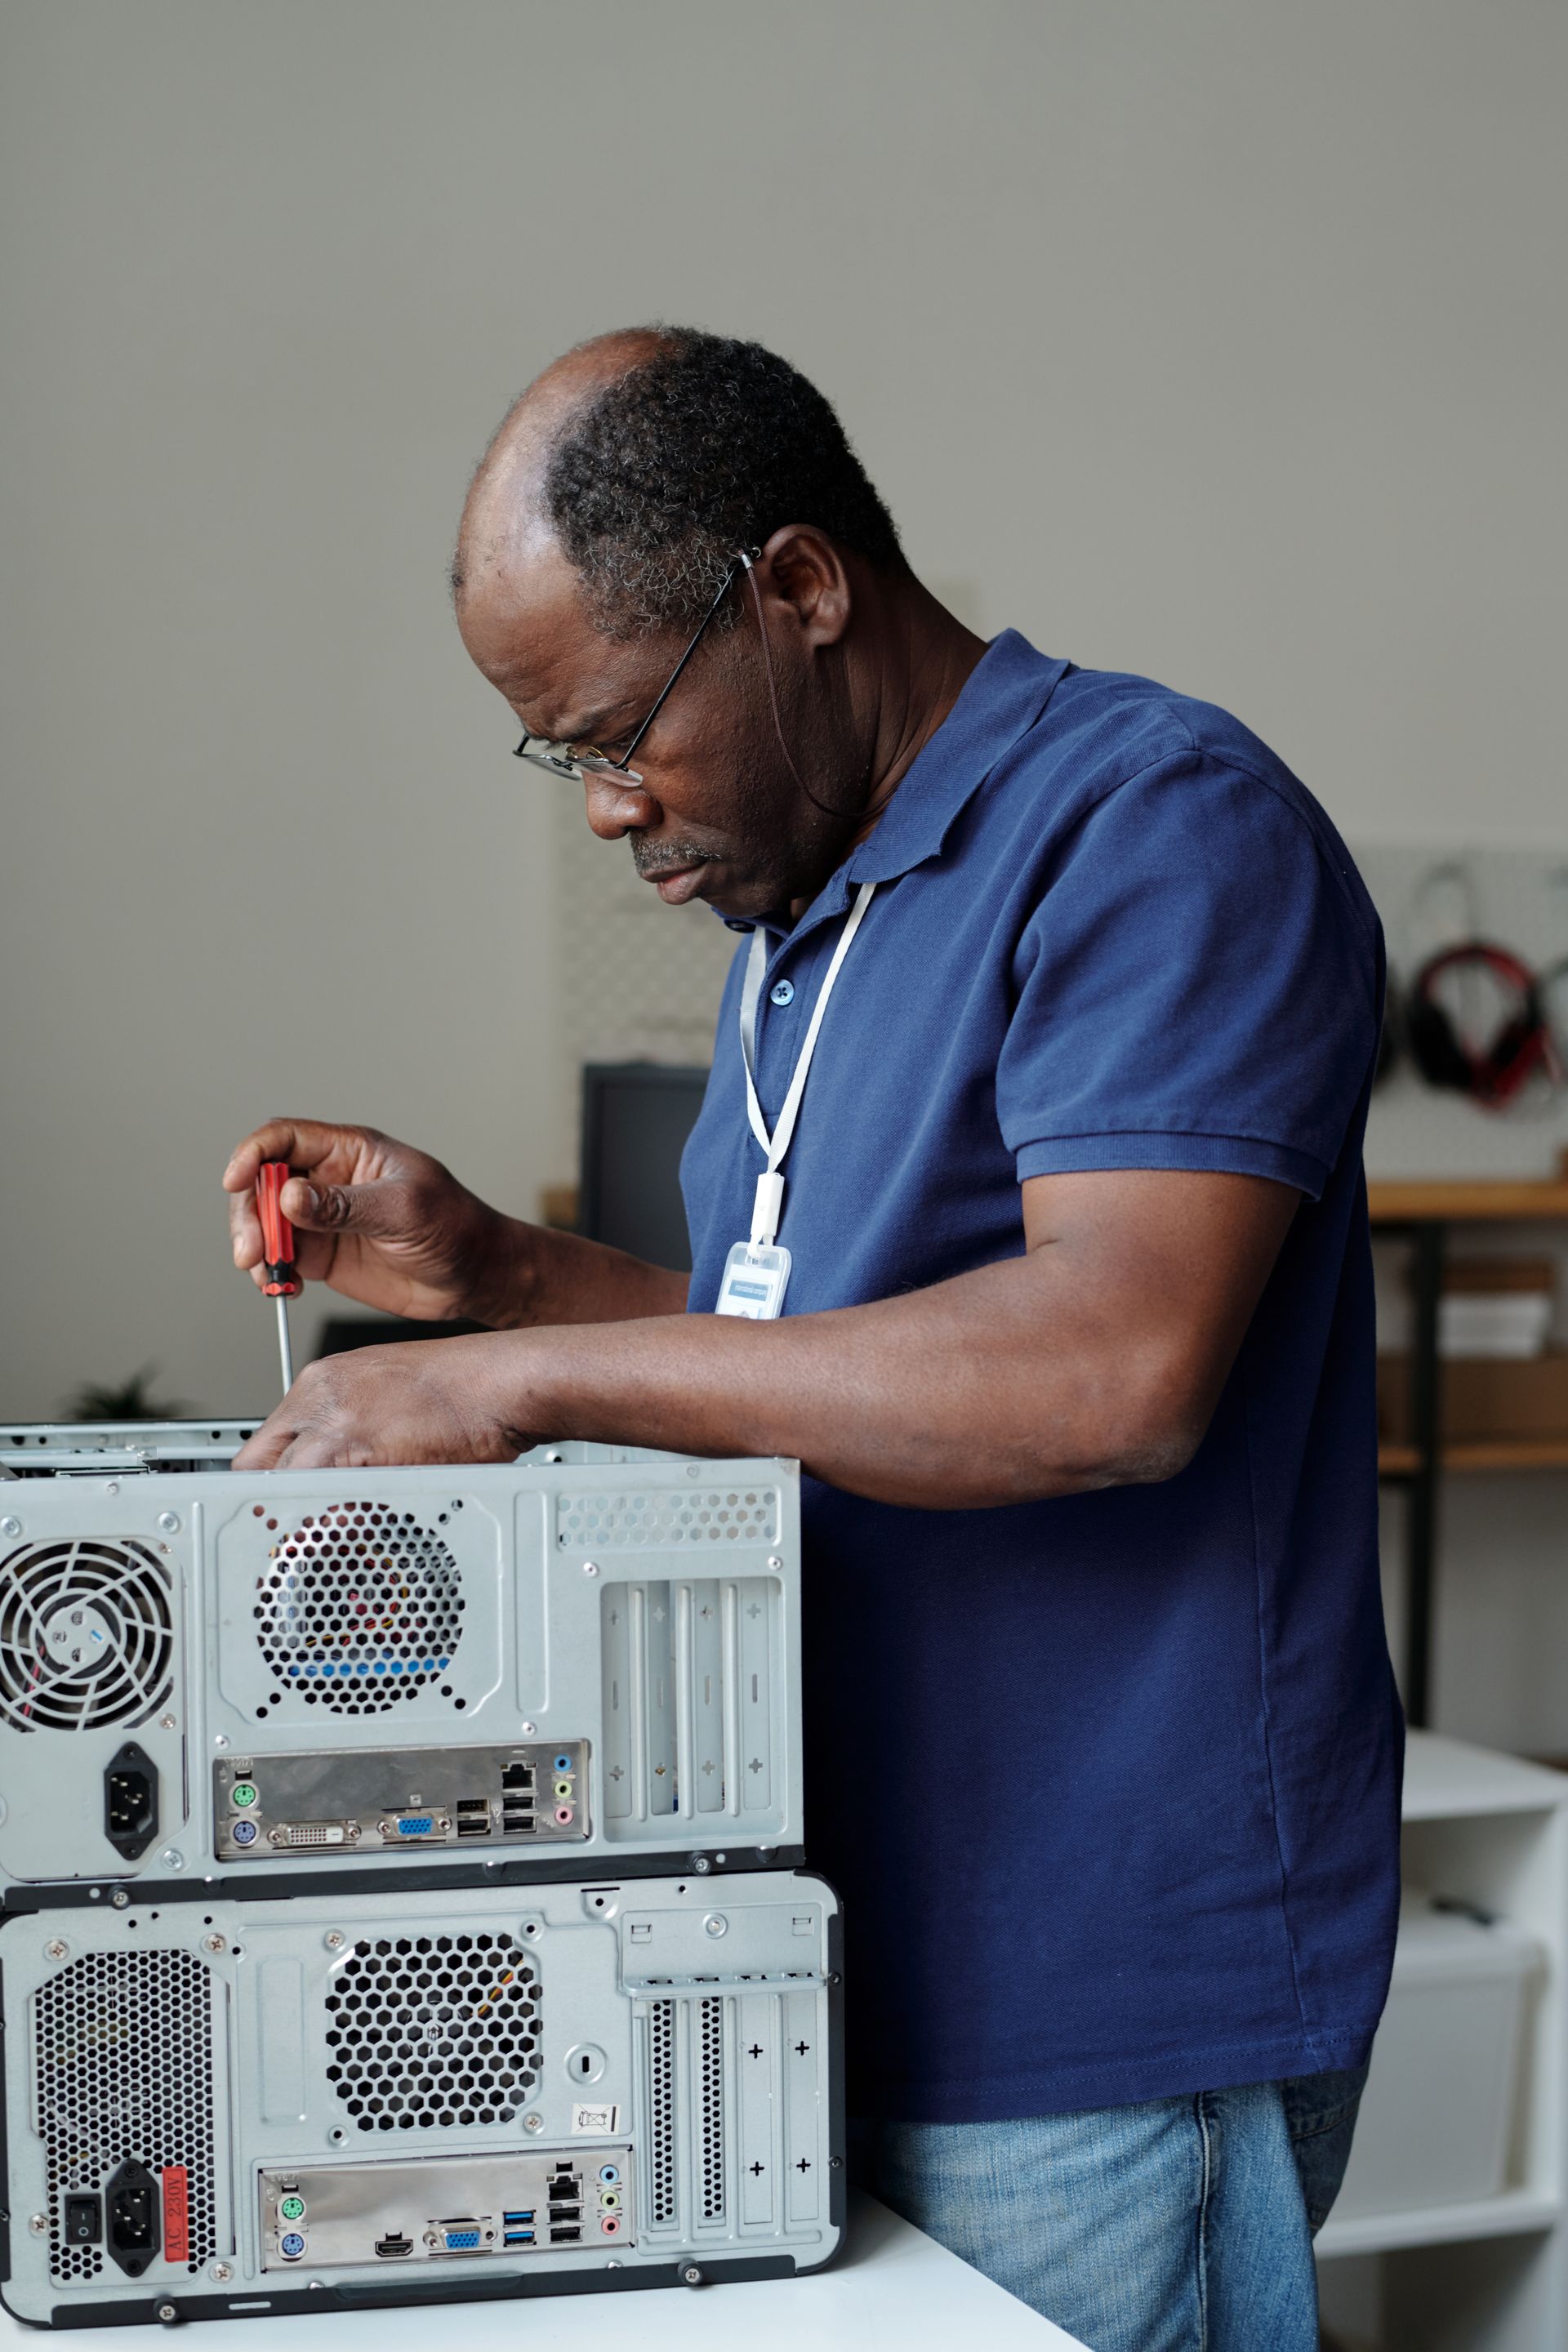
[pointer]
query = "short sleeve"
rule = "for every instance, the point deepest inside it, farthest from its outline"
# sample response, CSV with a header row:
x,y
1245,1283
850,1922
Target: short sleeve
x,y
1196,987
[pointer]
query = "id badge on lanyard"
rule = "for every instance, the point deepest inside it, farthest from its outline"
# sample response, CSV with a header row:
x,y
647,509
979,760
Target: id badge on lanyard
x,y
756,1272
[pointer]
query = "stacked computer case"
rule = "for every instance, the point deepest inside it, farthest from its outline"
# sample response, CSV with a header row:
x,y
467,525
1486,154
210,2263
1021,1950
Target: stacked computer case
x,y
401,1886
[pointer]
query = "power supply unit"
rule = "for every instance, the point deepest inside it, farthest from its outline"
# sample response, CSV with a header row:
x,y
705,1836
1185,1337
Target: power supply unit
x,y
335,2102
218,1682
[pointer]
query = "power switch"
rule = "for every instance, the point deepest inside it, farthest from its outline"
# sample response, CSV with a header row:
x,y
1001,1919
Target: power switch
x,y
84,2220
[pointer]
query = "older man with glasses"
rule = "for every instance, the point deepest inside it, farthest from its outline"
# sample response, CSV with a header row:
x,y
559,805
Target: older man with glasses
x,y
1056,1277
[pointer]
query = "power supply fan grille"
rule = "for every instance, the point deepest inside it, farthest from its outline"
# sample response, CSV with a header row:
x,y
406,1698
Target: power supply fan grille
x,y
360,1607
428,2032
122,2066
87,1634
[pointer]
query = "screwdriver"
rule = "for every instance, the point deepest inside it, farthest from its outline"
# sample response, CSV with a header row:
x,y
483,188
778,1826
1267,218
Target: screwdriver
x,y
283,1281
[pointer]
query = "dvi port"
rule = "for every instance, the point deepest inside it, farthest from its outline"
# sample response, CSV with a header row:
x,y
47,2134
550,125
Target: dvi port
x,y
300,1833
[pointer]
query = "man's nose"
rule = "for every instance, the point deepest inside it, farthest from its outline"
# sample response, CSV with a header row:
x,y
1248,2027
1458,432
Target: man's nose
x,y
618,807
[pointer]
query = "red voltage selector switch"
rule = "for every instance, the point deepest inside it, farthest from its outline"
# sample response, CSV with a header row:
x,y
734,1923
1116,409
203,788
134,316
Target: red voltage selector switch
x,y
277,1234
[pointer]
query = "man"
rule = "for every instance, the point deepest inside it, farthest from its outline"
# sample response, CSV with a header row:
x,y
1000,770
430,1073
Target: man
x,y
1063,1300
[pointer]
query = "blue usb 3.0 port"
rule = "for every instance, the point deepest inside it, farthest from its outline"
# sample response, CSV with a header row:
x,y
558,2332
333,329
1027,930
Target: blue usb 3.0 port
x,y
517,2221
516,2238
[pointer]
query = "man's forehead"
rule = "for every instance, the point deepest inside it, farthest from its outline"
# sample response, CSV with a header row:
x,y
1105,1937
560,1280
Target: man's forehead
x,y
527,625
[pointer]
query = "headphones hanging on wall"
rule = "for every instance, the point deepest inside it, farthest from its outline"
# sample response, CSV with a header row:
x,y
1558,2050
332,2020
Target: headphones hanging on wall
x,y
1493,1074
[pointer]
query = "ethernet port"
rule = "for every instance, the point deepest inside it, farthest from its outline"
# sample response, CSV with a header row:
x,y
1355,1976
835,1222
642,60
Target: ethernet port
x,y
517,1777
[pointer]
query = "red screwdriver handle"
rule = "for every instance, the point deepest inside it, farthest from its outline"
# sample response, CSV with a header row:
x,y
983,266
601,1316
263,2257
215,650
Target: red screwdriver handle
x,y
277,1234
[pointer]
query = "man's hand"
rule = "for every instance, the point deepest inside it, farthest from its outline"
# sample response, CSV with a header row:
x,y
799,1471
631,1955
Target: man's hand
x,y
375,1220
427,1400
390,1227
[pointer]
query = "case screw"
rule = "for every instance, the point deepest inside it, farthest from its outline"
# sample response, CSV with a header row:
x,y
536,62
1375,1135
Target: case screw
x,y
167,1722
590,1567
775,1561
119,1898
39,2224
171,1859
167,2314
57,1948
220,1739
716,1924
533,2123
528,1730
333,1939
10,1525
690,2275
221,2273
215,1942
111,1486
169,1522
700,1863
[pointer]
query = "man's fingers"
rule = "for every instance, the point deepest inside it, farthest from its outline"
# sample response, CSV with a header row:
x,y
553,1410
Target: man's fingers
x,y
380,1212
266,1450
302,1142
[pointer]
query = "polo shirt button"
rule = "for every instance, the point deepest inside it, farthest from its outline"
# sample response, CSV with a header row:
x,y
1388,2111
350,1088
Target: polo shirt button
x,y
782,992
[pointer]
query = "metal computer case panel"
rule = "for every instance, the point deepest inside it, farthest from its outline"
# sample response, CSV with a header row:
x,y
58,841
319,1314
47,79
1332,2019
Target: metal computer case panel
x,y
325,2101
585,1659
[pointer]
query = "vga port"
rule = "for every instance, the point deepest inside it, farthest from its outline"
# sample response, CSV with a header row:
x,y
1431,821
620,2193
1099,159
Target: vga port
x,y
464,2236
413,1825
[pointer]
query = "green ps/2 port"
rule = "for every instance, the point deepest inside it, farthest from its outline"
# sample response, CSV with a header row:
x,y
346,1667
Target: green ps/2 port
x,y
291,2208
245,1792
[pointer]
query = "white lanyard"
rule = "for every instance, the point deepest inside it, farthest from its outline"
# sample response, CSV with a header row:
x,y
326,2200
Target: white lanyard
x,y
768,1203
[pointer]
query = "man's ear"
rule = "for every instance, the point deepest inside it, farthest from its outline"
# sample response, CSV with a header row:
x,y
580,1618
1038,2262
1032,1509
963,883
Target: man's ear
x,y
801,567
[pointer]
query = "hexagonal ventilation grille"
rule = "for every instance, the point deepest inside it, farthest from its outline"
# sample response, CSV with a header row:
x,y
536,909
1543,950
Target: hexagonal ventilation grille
x,y
85,1635
430,2031
122,2069
360,1607
619,1522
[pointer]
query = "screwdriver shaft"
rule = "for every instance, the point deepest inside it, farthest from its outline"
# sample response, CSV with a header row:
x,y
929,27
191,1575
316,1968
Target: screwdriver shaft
x,y
285,1353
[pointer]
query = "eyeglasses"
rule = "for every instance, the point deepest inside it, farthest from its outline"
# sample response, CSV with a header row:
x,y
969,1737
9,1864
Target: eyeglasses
x,y
577,761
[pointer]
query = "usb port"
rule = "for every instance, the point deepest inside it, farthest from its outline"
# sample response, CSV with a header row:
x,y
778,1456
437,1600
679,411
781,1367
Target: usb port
x,y
474,1805
517,2237
473,1825
517,2220
517,1824
564,2237
573,2212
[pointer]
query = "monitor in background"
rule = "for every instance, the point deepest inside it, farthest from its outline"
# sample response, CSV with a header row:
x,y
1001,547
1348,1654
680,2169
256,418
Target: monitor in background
x,y
637,1116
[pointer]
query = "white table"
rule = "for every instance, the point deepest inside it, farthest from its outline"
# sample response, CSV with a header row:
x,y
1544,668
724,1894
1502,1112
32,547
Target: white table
x,y
892,2286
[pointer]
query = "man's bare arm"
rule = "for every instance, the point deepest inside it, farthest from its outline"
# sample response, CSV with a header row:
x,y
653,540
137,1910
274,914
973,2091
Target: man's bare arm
x,y
1094,1359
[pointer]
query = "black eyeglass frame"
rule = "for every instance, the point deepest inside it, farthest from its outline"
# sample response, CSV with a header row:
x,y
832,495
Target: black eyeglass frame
x,y
564,759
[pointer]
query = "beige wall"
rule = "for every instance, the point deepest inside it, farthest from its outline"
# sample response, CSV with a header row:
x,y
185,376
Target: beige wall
x,y
1222,341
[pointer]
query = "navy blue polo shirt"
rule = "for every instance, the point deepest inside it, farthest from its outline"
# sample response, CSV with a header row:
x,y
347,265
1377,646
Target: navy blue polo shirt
x,y
1110,1783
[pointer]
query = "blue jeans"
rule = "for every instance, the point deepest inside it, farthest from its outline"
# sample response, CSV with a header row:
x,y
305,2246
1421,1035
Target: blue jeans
x,y
1179,2225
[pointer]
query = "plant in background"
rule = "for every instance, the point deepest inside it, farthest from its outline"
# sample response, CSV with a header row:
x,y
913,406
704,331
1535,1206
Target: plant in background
x,y
129,1400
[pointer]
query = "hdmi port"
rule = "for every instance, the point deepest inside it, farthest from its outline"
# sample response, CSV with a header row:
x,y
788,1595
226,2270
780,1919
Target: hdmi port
x,y
387,2247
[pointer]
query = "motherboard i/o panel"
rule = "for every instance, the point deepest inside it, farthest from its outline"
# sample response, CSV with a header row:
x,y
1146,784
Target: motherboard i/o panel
x,y
586,1658
317,2102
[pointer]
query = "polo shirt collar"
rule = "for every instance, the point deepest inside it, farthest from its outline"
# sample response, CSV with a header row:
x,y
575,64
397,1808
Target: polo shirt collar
x,y
1000,700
